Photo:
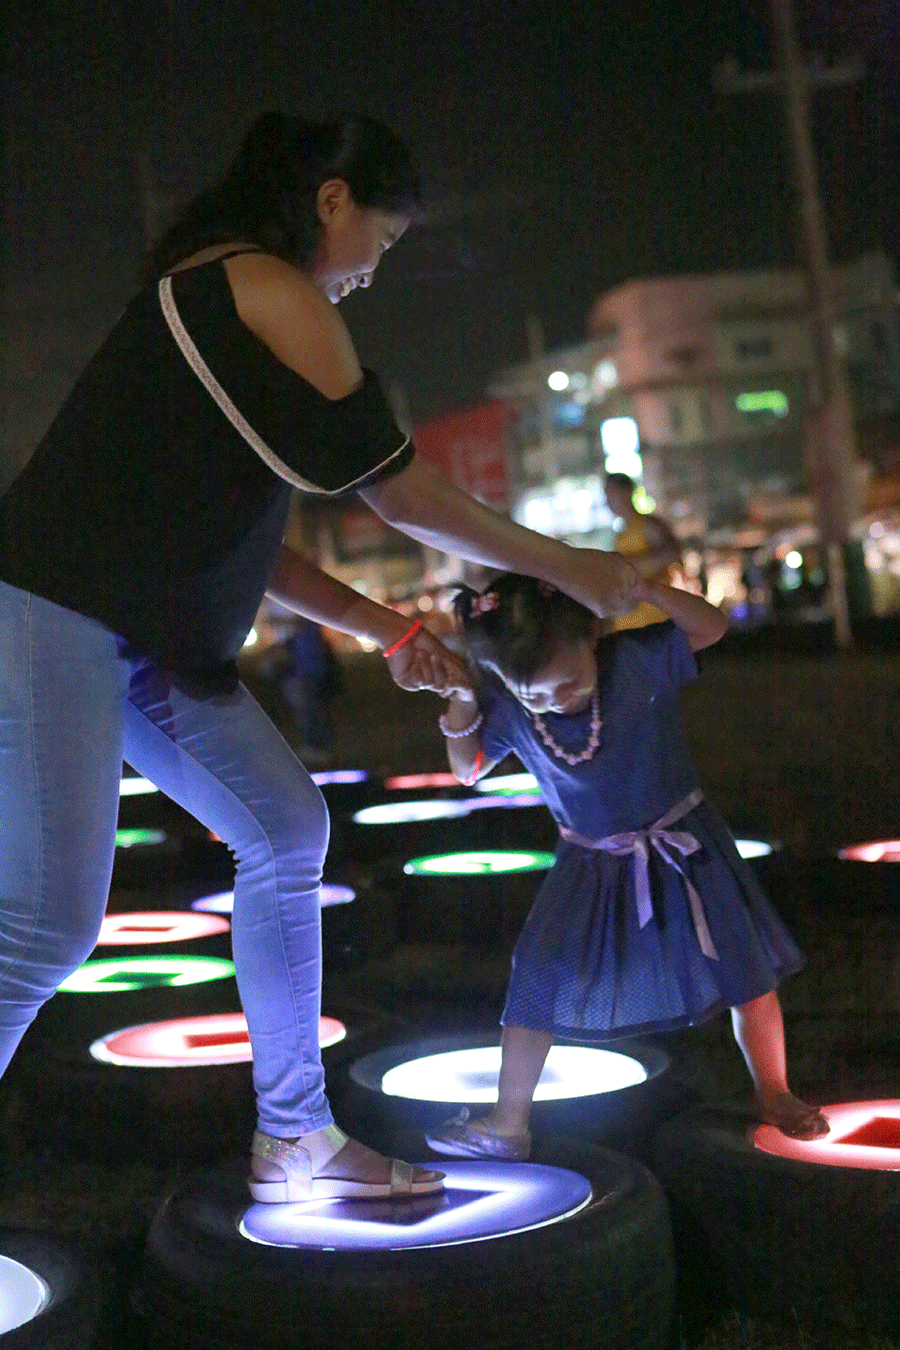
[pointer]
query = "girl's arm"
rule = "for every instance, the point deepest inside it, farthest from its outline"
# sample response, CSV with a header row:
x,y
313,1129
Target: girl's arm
x,y
434,511
464,751
702,622
421,662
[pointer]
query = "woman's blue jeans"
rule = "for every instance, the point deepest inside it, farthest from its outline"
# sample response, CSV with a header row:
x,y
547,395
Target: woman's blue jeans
x,y
72,707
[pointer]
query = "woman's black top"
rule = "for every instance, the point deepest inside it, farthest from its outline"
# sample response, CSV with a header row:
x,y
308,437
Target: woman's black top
x,y
157,501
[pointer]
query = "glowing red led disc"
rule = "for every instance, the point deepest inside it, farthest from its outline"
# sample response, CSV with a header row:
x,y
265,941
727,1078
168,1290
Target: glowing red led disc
x,y
137,929
863,1134
415,781
883,850
185,1041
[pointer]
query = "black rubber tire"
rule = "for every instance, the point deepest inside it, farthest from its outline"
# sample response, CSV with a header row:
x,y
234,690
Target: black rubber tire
x,y
606,1276
70,1319
772,1235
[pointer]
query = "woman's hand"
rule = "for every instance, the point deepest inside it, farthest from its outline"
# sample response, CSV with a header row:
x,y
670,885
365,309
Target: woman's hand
x,y
425,663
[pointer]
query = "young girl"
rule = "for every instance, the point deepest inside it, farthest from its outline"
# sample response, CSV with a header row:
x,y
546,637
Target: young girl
x,y
649,918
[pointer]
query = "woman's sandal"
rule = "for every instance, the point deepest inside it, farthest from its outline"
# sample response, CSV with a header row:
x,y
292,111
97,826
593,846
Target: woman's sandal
x,y
461,1138
301,1163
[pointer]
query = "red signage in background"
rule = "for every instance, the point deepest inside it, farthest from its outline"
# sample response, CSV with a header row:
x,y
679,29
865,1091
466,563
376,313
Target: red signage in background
x,y
469,448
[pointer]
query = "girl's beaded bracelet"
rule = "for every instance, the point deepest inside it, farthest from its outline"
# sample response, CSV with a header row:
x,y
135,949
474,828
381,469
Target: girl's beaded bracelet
x,y
466,731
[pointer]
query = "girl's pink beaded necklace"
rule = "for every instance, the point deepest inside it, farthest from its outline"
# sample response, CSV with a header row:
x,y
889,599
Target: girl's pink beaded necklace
x,y
593,744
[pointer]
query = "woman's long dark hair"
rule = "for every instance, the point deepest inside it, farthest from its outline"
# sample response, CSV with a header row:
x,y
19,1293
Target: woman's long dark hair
x,y
268,194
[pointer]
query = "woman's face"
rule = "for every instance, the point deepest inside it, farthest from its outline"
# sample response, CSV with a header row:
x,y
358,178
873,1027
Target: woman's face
x,y
352,239
565,683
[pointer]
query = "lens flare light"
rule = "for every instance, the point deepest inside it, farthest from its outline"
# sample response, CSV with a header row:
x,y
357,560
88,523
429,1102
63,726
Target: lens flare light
x,y
136,929
480,1201
192,1041
863,1134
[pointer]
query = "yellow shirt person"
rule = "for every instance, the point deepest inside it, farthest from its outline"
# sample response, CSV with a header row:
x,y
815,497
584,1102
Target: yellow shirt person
x,y
646,541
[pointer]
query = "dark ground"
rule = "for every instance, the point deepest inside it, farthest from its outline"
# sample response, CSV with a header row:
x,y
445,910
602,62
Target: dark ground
x,y
794,744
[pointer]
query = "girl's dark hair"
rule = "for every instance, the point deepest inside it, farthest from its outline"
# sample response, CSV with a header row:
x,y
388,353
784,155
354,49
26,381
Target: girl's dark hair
x,y
267,196
516,623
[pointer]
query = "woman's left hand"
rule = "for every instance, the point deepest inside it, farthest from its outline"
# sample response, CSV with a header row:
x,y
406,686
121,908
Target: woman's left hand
x,y
425,663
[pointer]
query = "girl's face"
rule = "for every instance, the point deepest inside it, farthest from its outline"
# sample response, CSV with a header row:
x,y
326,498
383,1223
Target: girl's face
x,y
352,239
565,684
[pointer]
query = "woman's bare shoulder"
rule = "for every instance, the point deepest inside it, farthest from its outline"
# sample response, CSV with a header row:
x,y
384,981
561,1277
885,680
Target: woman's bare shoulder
x,y
285,309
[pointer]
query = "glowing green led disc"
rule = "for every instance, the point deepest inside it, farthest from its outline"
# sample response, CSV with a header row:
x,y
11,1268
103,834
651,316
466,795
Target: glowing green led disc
x,y
456,864
126,973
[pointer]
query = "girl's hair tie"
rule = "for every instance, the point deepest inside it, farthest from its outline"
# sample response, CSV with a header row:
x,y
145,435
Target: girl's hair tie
x,y
483,604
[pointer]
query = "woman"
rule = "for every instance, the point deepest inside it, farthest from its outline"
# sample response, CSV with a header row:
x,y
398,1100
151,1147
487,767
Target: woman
x,y
229,380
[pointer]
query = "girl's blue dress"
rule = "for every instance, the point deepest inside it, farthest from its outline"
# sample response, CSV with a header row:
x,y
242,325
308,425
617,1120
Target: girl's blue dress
x,y
584,966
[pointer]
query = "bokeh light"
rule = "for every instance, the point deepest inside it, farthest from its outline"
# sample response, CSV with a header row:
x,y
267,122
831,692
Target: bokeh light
x,y
471,1075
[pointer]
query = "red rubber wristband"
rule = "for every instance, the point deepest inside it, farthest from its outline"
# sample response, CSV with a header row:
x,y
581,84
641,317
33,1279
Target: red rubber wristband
x,y
405,638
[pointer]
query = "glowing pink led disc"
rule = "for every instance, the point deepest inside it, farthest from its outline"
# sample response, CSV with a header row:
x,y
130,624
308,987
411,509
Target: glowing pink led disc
x,y
185,1041
136,929
415,781
863,1134
884,850
480,1200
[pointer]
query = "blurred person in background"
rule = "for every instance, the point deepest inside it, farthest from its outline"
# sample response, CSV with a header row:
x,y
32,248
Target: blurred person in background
x,y
647,542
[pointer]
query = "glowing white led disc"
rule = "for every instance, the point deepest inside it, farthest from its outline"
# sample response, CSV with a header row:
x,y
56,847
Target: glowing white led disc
x,y
137,787
186,1042
480,1201
157,926
753,848
339,776
401,813
863,1134
883,850
471,1075
22,1294
223,901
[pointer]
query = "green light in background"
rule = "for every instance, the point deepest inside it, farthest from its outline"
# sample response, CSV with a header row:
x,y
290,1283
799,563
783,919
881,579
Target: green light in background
x,y
126,973
763,401
457,864
130,838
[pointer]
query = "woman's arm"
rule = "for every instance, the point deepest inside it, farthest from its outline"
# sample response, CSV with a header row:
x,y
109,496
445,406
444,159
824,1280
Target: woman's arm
x,y
464,751
434,511
422,662
703,623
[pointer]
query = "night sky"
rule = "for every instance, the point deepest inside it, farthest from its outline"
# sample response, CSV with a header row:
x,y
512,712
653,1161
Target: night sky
x,y
565,147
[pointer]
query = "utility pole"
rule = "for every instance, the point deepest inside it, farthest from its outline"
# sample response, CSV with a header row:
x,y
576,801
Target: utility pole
x,y
830,439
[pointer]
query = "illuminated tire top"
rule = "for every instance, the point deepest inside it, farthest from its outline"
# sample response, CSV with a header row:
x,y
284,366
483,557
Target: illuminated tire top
x,y
22,1294
882,850
158,926
192,1041
863,1134
480,1201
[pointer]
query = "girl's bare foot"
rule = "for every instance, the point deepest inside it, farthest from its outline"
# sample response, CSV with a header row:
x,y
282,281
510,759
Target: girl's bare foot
x,y
793,1117
357,1162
